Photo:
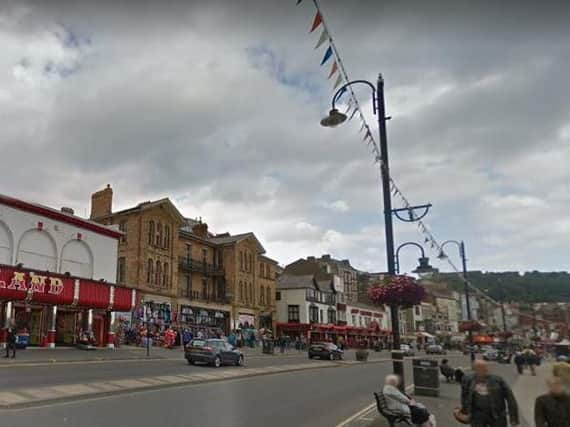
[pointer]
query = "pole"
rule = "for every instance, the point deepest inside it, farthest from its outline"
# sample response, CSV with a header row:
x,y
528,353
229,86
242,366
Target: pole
x,y
397,356
467,302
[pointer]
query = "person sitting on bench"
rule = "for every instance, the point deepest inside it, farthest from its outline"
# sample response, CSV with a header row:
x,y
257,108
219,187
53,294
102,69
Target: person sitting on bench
x,y
401,403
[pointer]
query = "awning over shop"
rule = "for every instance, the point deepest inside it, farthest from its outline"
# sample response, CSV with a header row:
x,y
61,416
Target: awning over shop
x,y
94,295
425,335
18,284
123,299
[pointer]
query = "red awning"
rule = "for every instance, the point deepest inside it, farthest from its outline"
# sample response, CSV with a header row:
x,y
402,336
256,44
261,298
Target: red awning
x,y
94,294
122,299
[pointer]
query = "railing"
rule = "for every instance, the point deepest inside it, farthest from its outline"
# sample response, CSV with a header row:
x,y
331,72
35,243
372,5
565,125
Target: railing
x,y
194,265
204,297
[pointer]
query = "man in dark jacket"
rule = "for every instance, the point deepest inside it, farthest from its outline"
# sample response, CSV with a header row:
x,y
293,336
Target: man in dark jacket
x,y
11,342
485,398
553,409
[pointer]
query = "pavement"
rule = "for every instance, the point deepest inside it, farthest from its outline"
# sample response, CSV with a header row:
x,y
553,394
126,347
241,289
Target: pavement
x,y
525,387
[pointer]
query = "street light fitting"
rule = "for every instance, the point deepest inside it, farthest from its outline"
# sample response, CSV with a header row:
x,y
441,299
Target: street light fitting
x,y
334,119
442,255
424,267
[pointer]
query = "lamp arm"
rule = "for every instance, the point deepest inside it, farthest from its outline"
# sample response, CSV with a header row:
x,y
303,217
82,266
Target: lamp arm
x,y
338,94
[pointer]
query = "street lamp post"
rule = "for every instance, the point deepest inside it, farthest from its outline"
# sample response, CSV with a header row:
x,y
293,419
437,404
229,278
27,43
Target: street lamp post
x,y
334,119
461,246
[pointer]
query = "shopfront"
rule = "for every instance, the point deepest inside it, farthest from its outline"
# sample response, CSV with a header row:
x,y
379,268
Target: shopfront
x,y
200,317
51,309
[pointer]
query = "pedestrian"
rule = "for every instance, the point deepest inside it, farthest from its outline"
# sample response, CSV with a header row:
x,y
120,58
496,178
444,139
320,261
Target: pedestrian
x,y
553,408
282,344
531,360
519,361
11,342
485,398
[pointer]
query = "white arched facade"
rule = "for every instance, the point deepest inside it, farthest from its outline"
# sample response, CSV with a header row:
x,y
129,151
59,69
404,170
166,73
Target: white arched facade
x,y
6,244
77,259
37,250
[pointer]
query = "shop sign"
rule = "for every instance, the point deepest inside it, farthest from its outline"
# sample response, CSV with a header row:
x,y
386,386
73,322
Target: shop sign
x,y
31,282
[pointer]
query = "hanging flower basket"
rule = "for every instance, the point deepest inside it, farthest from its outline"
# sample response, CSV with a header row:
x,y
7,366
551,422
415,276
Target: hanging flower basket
x,y
400,291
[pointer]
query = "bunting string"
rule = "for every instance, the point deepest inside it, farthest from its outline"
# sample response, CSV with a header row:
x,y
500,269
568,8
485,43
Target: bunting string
x,y
354,107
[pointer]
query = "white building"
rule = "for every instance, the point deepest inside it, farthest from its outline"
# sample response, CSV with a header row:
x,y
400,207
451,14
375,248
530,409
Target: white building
x,y
57,274
306,299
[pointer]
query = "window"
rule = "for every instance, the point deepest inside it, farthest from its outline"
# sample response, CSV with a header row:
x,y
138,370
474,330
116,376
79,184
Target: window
x,y
151,232
261,270
241,260
149,271
189,285
251,296
159,234
268,296
121,270
322,316
353,320
278,296
313,314
188,252
167,237
165,276
267,272
204,254
241,291
250,263
158,273
331,314
220,258
293,313
204,289
417,310
262,296
123,229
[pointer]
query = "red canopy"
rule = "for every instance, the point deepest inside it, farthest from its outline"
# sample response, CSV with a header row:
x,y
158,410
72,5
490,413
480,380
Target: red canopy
x,y
123,298
94,294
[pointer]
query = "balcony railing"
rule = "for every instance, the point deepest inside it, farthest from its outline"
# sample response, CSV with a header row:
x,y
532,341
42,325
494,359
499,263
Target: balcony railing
x,y
193,265
205,297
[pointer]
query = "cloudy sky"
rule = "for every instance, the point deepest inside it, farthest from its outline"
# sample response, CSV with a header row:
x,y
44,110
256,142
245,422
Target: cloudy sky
x,y
216,104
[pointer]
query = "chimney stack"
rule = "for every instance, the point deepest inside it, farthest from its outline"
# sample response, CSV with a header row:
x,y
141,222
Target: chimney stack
x,y
102,203
200,229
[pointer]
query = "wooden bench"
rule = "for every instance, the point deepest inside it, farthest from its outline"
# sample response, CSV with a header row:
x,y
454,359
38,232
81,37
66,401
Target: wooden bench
x,y
393,418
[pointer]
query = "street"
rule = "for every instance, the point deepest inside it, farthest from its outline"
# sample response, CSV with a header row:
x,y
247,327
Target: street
x,y
314,397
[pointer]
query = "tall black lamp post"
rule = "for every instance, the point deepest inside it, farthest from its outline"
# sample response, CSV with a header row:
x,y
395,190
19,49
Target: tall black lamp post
x,y
334,119
461,246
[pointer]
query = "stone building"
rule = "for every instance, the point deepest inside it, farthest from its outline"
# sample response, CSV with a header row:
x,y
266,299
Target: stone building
x,y
185,273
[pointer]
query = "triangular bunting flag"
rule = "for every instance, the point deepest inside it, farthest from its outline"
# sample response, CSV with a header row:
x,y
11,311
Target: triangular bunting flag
x,y
318,19
327,56
362,127
334,69
324,37
366,135
298,2
352,115
338,82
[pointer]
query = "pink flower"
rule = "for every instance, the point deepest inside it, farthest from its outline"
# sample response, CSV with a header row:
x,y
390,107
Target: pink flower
x,y
402,291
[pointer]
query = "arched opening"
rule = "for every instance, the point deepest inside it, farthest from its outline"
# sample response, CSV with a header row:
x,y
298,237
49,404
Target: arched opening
x,y
77,259
37,250
5,244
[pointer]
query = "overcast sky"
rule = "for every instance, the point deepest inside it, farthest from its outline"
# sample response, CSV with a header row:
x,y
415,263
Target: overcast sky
x,y
216,104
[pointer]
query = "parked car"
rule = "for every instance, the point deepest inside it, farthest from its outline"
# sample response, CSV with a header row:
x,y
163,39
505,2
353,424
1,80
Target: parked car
x,y
408,351
435,349
491,355
214,352
325,351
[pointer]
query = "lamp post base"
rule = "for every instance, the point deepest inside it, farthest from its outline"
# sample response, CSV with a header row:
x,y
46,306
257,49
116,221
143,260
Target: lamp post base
x,y
398,367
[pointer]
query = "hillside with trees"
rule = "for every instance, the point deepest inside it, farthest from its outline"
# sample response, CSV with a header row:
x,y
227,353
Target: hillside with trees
x,y
529,287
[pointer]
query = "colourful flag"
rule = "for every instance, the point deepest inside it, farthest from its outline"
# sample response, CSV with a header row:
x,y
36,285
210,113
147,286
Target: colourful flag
x,y
324,37
334,69
298,2
327,56
317,20
338,81
352,115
